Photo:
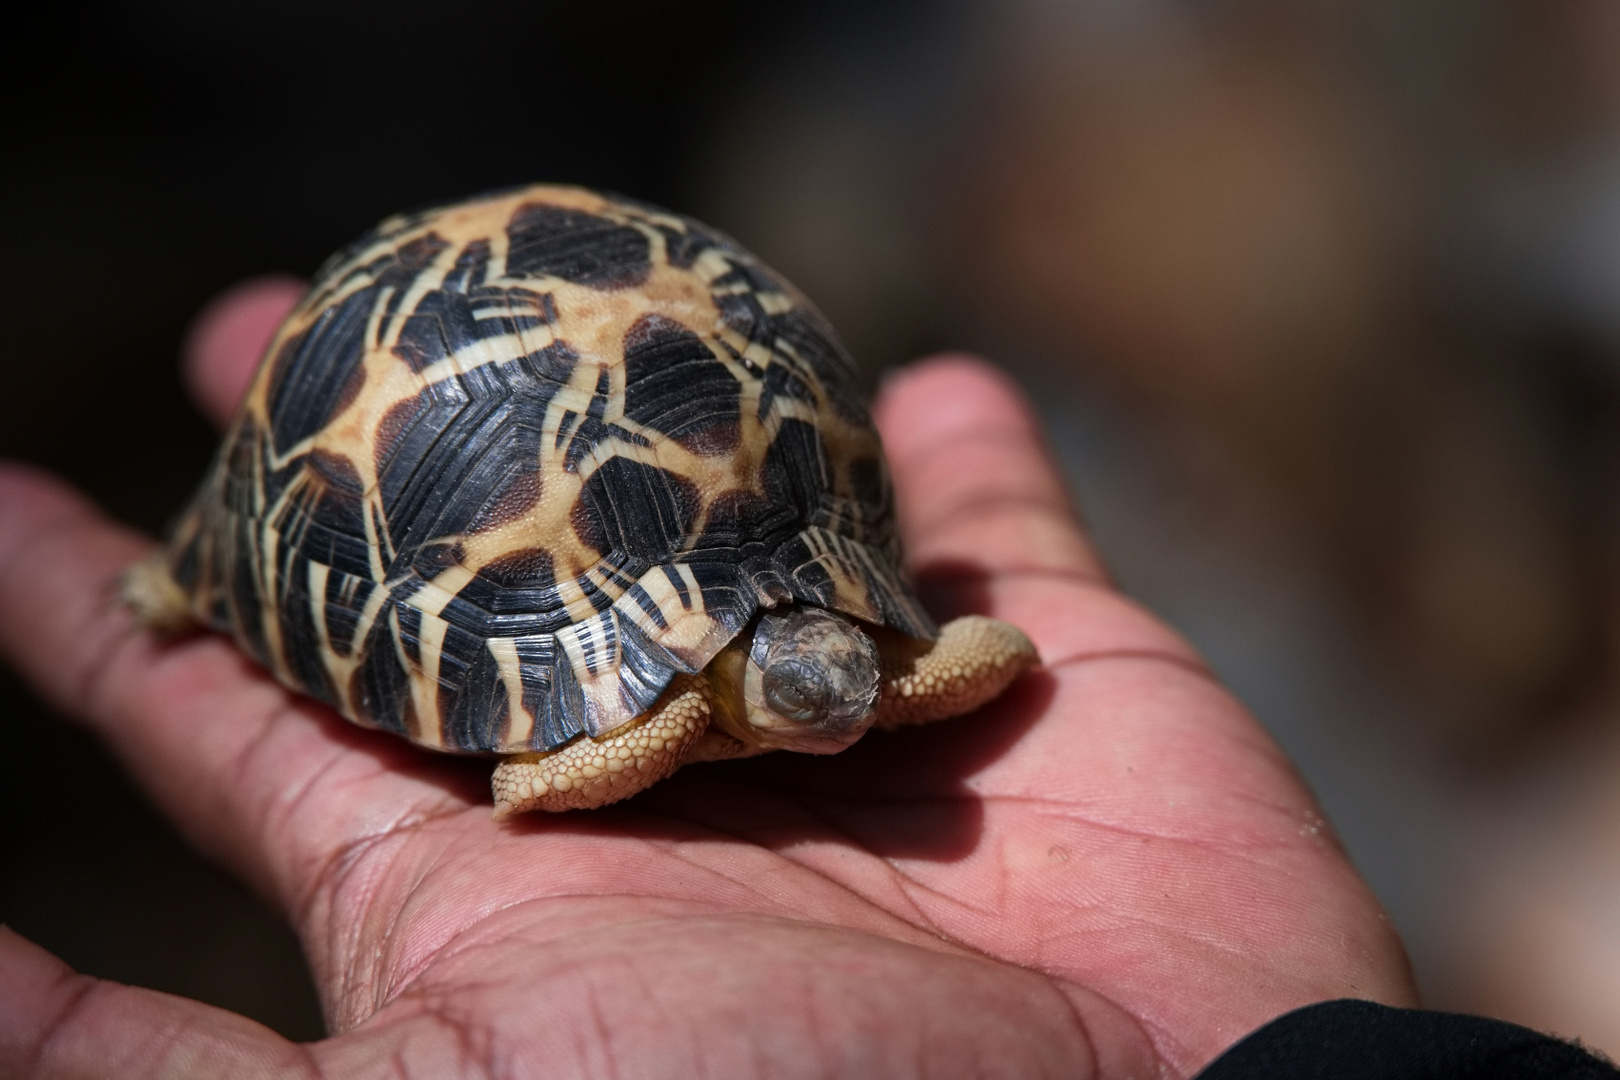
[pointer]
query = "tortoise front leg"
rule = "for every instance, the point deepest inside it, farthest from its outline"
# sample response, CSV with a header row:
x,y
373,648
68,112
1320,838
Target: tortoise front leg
x,y
594,772
975,659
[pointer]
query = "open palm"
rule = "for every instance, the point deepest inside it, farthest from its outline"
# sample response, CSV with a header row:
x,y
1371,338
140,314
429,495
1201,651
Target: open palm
x,y
1111,871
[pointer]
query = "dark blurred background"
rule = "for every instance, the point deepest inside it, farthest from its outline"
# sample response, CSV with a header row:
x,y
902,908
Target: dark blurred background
x,y
1320,297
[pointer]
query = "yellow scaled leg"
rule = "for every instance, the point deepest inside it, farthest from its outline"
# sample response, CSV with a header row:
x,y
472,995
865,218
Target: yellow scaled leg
x,y
159,603
974,659
594,772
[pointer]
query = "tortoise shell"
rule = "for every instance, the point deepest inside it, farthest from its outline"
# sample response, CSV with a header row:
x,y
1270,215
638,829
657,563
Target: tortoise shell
x,y
511,464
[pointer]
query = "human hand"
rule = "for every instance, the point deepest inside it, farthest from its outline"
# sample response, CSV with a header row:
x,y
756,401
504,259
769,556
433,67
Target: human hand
x,y
1110,871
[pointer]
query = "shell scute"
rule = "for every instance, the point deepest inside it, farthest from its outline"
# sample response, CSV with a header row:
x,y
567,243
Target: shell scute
x,y
546,240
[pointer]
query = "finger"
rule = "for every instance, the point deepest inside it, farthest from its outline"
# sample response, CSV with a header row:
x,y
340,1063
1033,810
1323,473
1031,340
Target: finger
x,y
987,521
54,1022
973,479
51,619
227,338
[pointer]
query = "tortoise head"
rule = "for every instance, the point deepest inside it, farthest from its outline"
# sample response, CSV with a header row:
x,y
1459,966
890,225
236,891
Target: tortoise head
x,y
810,683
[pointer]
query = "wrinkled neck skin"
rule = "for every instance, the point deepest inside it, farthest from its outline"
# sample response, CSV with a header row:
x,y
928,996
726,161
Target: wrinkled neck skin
x,y
800,678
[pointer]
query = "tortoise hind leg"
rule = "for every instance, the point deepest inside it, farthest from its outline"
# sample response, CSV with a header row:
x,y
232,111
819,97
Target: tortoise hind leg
x,y
158,601
594,772
974,660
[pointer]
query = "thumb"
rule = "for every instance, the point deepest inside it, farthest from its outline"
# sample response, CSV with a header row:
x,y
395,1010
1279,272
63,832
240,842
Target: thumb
x,y
227,338
57,1023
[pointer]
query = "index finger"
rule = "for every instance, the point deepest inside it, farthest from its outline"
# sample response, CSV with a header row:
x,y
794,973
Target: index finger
x,y
228,336
973,479
987,521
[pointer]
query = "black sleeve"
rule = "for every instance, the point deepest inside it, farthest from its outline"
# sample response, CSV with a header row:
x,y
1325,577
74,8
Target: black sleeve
x,y
1341,1040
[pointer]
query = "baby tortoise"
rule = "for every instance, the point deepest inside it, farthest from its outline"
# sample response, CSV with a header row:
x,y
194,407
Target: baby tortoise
x,y
564,477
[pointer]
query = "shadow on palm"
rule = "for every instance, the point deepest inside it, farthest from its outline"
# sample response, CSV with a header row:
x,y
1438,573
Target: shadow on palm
x,y
901,794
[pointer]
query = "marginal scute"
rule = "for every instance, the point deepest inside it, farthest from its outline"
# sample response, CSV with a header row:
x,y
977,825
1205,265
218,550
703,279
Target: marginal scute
x,y
475,704
300,632
380,689
347,600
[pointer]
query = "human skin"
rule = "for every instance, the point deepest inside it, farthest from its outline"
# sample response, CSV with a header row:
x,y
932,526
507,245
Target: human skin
x,y
1112,871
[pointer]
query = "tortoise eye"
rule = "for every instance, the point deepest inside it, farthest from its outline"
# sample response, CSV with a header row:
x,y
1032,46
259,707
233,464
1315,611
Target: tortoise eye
x,y
790,688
